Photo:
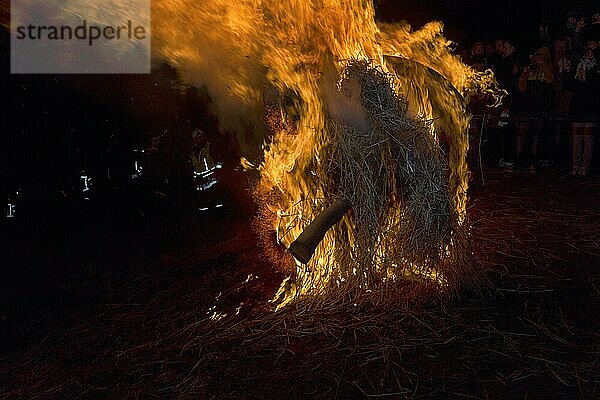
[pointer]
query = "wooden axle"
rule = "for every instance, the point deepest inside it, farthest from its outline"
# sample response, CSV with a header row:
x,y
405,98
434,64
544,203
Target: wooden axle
x,y
305,245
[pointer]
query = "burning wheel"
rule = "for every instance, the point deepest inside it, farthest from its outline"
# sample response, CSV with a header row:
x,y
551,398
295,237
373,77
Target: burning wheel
x,y
374,203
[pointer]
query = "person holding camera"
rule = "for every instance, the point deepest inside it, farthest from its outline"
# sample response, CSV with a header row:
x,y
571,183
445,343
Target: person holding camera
x,y
535,87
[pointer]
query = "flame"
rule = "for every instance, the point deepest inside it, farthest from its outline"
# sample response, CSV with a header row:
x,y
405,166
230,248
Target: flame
x,y
273,66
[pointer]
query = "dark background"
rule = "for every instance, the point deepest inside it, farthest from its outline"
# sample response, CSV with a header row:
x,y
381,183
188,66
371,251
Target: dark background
x,y
470,20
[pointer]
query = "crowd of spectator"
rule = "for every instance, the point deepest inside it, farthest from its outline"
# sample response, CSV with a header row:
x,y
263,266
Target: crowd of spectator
x,y
552,109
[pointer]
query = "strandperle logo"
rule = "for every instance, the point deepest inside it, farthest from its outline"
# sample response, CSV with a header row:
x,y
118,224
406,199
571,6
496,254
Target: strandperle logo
x,y
80,36
89,33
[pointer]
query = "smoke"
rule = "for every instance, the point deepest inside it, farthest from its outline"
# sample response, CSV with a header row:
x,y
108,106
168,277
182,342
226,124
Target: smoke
x,y
213,44
245,49
345,105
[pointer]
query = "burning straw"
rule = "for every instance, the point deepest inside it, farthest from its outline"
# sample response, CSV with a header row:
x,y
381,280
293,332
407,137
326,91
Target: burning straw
x,y
393,214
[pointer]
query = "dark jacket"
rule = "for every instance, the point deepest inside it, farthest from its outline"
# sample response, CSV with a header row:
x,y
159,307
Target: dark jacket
x,y
507,79
537,98
537,93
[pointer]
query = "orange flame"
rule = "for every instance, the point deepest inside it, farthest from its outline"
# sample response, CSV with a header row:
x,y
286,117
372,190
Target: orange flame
x,y
251,50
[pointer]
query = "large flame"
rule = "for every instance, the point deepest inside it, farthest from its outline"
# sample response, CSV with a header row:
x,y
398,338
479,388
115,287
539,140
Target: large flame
x,y
251,54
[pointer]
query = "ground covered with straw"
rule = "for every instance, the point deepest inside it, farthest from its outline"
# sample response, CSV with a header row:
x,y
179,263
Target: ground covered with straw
x,y
531,332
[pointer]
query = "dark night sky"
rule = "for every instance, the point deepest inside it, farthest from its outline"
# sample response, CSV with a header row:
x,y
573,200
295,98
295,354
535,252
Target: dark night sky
x,y
469,20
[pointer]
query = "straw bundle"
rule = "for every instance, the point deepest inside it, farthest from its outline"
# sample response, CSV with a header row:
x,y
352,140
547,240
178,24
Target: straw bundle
x,y
402,223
